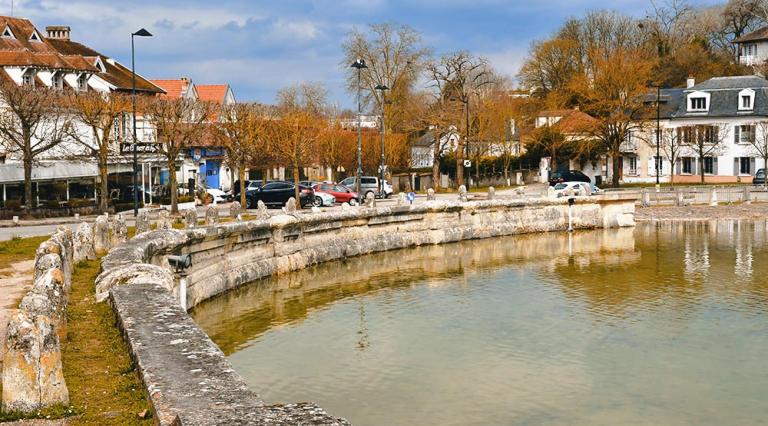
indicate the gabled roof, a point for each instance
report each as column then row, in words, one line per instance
column 572, row 121
column 174, row 88
column 212, row 92
column 115, row 74
column 759, row 35
column 724, row 97
column 20, row 51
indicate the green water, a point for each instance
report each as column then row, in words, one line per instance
column 657, row 325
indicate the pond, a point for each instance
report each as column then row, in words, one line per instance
column 662, row 324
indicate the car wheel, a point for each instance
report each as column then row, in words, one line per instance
column 318, row 202
column 370, row 192
column 352, row 202
column 248, row 203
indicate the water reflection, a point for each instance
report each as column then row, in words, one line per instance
column 665, row 324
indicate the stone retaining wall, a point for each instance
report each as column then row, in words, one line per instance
column 189, row 379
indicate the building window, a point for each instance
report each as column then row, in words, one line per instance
column 687, row 165
column 698, row 104
column 686, row 135
column 82, row 83
column 7, row 33
column 57, row 81
column 633, row 166
column 744, row 134
column 745, row 165
column 28, row 79
column 746, row 102
column 709, row 165
column 658, row 165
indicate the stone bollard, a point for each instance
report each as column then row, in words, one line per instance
column 235, row 209
column 713, row 197
column 401, row 198
column 212, row 216
column 645, row 197
column 680, row 200
column 430, row 194
column 16, row 220
column 83, row 243
column 164, row 220
column 747, row 196
column 119, row 232
column 491, row 193
column 551, row 192
column 346, row 206
column 190, row 218
column 143, row 223
column 370, row 200
column 290, row 206
column 463, row 194
column 316, row 209
column 101, row 234
column 32, row 349
column 261, row 210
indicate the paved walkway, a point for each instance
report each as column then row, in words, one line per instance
column 700, row 213
column 15, row 281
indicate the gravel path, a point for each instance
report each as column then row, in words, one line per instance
column 699, row 213
column 15, row 281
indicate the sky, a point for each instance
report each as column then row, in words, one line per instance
column 260, row 46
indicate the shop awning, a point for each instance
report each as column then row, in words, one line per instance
column 60, row 170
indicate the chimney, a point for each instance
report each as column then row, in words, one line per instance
column 691, row 81
column 58, row 32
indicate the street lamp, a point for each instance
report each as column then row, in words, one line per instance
column 140, row 33
column 359, row 65
column 382, row 88
column 658, row 134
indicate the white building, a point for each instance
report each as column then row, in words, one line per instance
column 752, row 48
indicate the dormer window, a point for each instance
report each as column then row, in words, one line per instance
column 698, row 102
column 746, row 100
column 28, row 78
column 100, row 65
column 35, row 37
column 7, row 33
column 82, row 83
column 57, row 81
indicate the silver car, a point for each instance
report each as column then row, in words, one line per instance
column 368, row 185
column 323, row 199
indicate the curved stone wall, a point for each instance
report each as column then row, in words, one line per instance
column 188, row 377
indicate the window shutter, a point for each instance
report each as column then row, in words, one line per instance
column 736, row 166
column 714, row 166
column 694, row 166
column 752, row 165
column 678, row 166
column 736, row 131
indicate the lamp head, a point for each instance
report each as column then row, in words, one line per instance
column 142, row 33
column 381, row 87
column 359, row 64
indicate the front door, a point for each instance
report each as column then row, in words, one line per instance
column 212, row 174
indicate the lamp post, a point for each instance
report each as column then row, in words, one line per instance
column 382, row 88
column 359, row 65
column 658, row 134
column 466, row 144
column 140, row 33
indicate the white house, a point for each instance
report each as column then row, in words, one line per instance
column 752, row 48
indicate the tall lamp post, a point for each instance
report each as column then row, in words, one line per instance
column 466, row 145
column 359, row 65
column 140, row 33
column 382, row 88
column 658, row 134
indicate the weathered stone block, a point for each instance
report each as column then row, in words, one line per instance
column 491, row 193
column 190, row 218
column 164, row 220
column 401, row 200
column 143, row 224
column 290, row 206
column 83, row 243
column 212, row 216
column 370, row 200
column 136, row 273
column 235, row 209
column 101, row 234
column 431, row 194
column 463, row 194
column 32, row 373
column 119, row 231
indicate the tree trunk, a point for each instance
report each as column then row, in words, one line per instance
column 615, row 167
column 241, row 175
column 435, row 164
column 296, row 189
column 103, row 185
column 172, row 181
column 27, row 183
column 460, row 164
column 701, row 168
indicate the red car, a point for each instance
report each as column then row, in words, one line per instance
column 341, row 192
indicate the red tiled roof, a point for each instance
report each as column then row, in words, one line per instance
column 212, row 92
column 173, row 88
column 20, row 51
column 571, row 121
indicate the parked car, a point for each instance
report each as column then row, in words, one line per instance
column 324, row 199
column 578, row 189
column 218, row 195
column 276, row 194
column 368, row 184
column 759, row 178
column 568, row 176
column 341, row 193
column 249, row 186
column 309, row 183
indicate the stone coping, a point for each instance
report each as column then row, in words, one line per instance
column 188, row 378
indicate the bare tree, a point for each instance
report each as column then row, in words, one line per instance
column 33, row 121
column 101, row 115
column 759, row 143
column 703, row 141
column 179, row 124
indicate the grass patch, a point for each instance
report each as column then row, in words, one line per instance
column 104, row 386
column 19, row 249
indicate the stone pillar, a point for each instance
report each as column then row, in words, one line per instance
column 747, row 196
column 212, row 216
column 463, row 194
column 235, row 209
column 491, row 193
column 119, row 231
column 261, row 210
column 370, row 200
column 190, row 218
column 680, row 200
column 401, row 198
column 142, row 223
column 551, row 192
column 345, row 206
column 713, row 197
column 101, row 234
column 430, row 194
column 83, row 243
column 645, row 198
column 290, row 206
column 164, row 220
